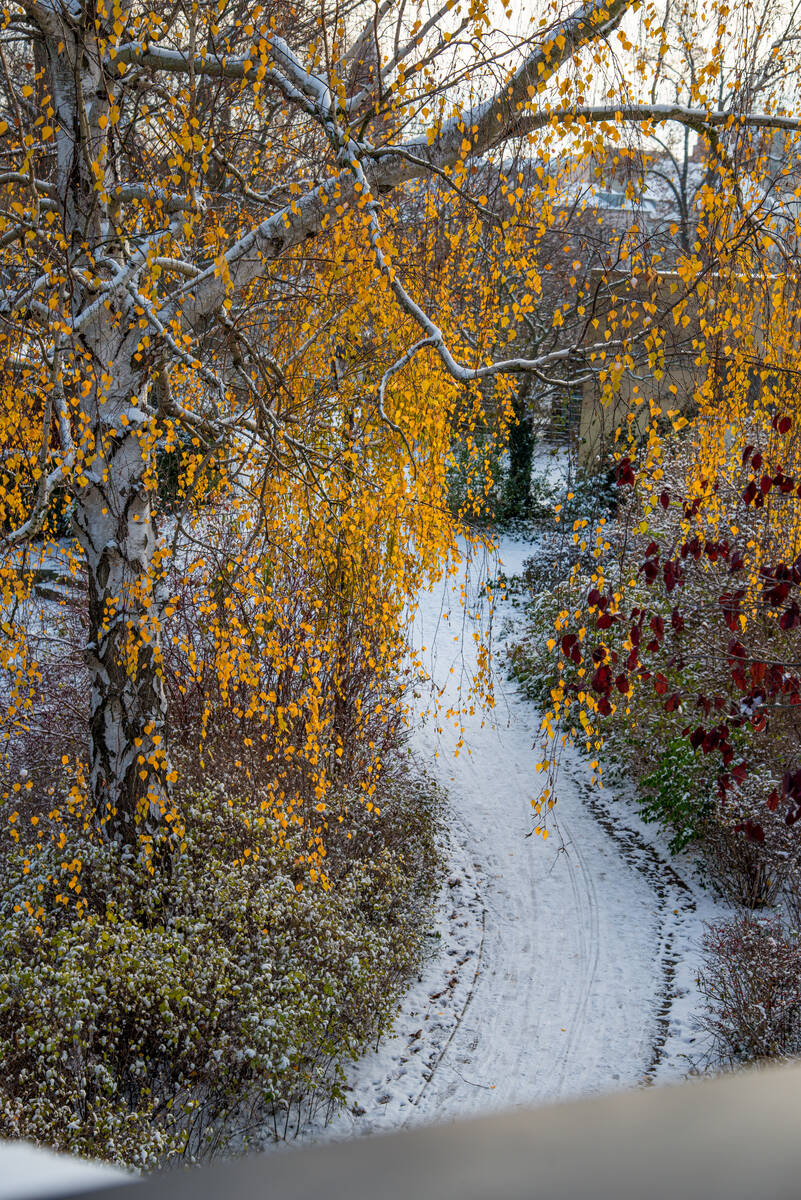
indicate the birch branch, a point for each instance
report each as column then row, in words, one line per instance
column 468, row 135
column 482, row 126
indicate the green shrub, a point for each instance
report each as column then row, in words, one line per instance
column 530, row 661
column 678, row 793
column 175, row 1010
column 592, row 494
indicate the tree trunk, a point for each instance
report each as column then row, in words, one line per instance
column 521, row 453
column 129, row 769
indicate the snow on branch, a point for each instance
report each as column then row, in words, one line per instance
column 482, row 126
column 699, row 119
column 292, row 79
column 47, row 486
column 469, row 134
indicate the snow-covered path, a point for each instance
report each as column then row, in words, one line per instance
column 562, row 967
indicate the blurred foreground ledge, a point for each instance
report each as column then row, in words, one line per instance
column 737, row 1137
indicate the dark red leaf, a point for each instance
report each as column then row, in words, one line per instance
column 602, row 679
column 711, row 740
column 752, row 830
column 790, row 617
column 673, row 575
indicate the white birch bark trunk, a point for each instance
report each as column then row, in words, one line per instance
column 129, row 768
column 114, row 521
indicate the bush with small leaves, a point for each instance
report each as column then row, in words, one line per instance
column 678, row 794
column 145, row 1019
column 751, row 855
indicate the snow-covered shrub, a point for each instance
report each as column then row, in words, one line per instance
column 528, row 658
column 750, row 853
column 677, row 794
column 792, row 899
column 146, row 1018
column 662, row 680
column 751, row 983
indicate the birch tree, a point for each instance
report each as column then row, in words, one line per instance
column 159, row 167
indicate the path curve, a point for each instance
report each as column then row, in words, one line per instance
column 559, row 968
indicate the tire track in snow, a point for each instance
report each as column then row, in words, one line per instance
column 676, row 898
column 593, row 931
column 586, row 899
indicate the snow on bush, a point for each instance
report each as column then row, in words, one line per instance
column 751, row 854
column 751, row 984
column 165, row 1016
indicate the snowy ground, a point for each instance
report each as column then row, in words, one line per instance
column 562, row 968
